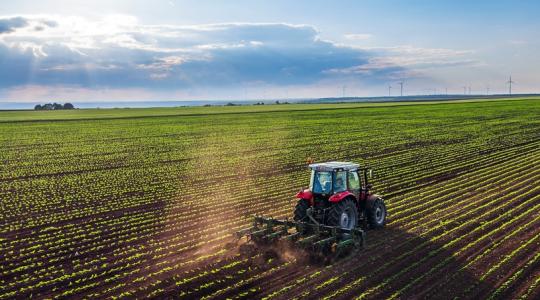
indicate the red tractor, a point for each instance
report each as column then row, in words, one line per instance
column 339, row 195
column 330, row 215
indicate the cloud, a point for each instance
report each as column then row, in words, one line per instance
column 358, row 36
column 517, row 42
column 8, row 25
column 11, row 24
column 409, row 62
column 117, row 52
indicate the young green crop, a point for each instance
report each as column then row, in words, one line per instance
column 131, row 203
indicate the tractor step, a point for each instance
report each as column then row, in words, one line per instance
column 313, row 238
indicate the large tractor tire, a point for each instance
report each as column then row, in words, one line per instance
column 376, row 214
column 344, row 214
column 300, row 214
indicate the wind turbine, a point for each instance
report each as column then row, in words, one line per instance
column 401, row 88
column 343, row 90
column 389, row 90
column 510, row 85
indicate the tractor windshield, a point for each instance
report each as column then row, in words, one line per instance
column 321, row 182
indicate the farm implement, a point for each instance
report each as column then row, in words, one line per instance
column 314, row 238
column 330, row 217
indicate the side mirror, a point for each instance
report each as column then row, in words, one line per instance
column 369, row 186
column 370, row 173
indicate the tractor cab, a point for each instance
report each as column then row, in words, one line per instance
column 331, row 178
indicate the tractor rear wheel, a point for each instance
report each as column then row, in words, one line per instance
column 376, row 215
column 300, row 215
column 344, row 214
column 300, row 211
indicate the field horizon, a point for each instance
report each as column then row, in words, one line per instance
column 127, row 104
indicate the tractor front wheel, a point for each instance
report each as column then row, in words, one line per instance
column 343, row 214
column 376, row 214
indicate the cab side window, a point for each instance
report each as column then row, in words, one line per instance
column 340, row 182
column 354, row 181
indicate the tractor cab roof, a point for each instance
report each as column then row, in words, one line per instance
column 334, row 166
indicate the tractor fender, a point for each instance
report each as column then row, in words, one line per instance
column 305, row 194
column 340, row 196
column 371, row 199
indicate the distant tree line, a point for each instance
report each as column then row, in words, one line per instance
column 277, row 102
column 54, row 106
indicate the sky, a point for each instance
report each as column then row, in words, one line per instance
column 167, row 50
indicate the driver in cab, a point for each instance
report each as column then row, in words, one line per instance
column 339, row 185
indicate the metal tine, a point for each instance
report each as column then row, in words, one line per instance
column 293, row 237
column 276, row 234
column 259, row 233
column 269, row 225
column 243, row 232
column 343, row 245
column 320, row 244
column 309, row 240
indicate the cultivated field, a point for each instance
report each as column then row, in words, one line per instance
column 141, row 202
